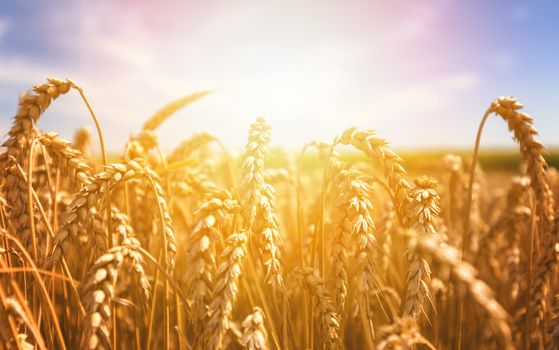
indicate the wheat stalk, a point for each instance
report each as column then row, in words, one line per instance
column 454, row 166
column 385, row 230
column 544, row 267
column 521, row 125
column 532, row 151
column 13, row 314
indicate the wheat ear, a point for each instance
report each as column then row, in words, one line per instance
column 254, row 335
column 403, row 334
column 205, row 232
column 252, row 179
column 422, row 210
column 98, row 294
column 31, row 106
column 164, row 113
column 187, row 147
column 377, row 149
column 325, row 311
column 225, row 289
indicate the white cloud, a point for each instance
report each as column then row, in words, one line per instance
column 419, row 23
column 318, row 69
column 427, row 97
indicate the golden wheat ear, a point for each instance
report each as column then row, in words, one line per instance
column 325, row 311
column 168, row 110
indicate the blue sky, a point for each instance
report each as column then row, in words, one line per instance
column 419, row 72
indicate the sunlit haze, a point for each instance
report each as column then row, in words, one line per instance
column 311, row 68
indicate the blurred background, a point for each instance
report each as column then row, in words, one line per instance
column 421, row 73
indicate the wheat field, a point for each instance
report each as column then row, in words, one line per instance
column 199, row 249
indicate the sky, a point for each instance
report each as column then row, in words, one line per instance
column 420, row 73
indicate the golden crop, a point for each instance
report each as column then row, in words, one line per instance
column 199, row 250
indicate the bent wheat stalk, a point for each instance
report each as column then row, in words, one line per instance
column 431, row 247
column 521, row 125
